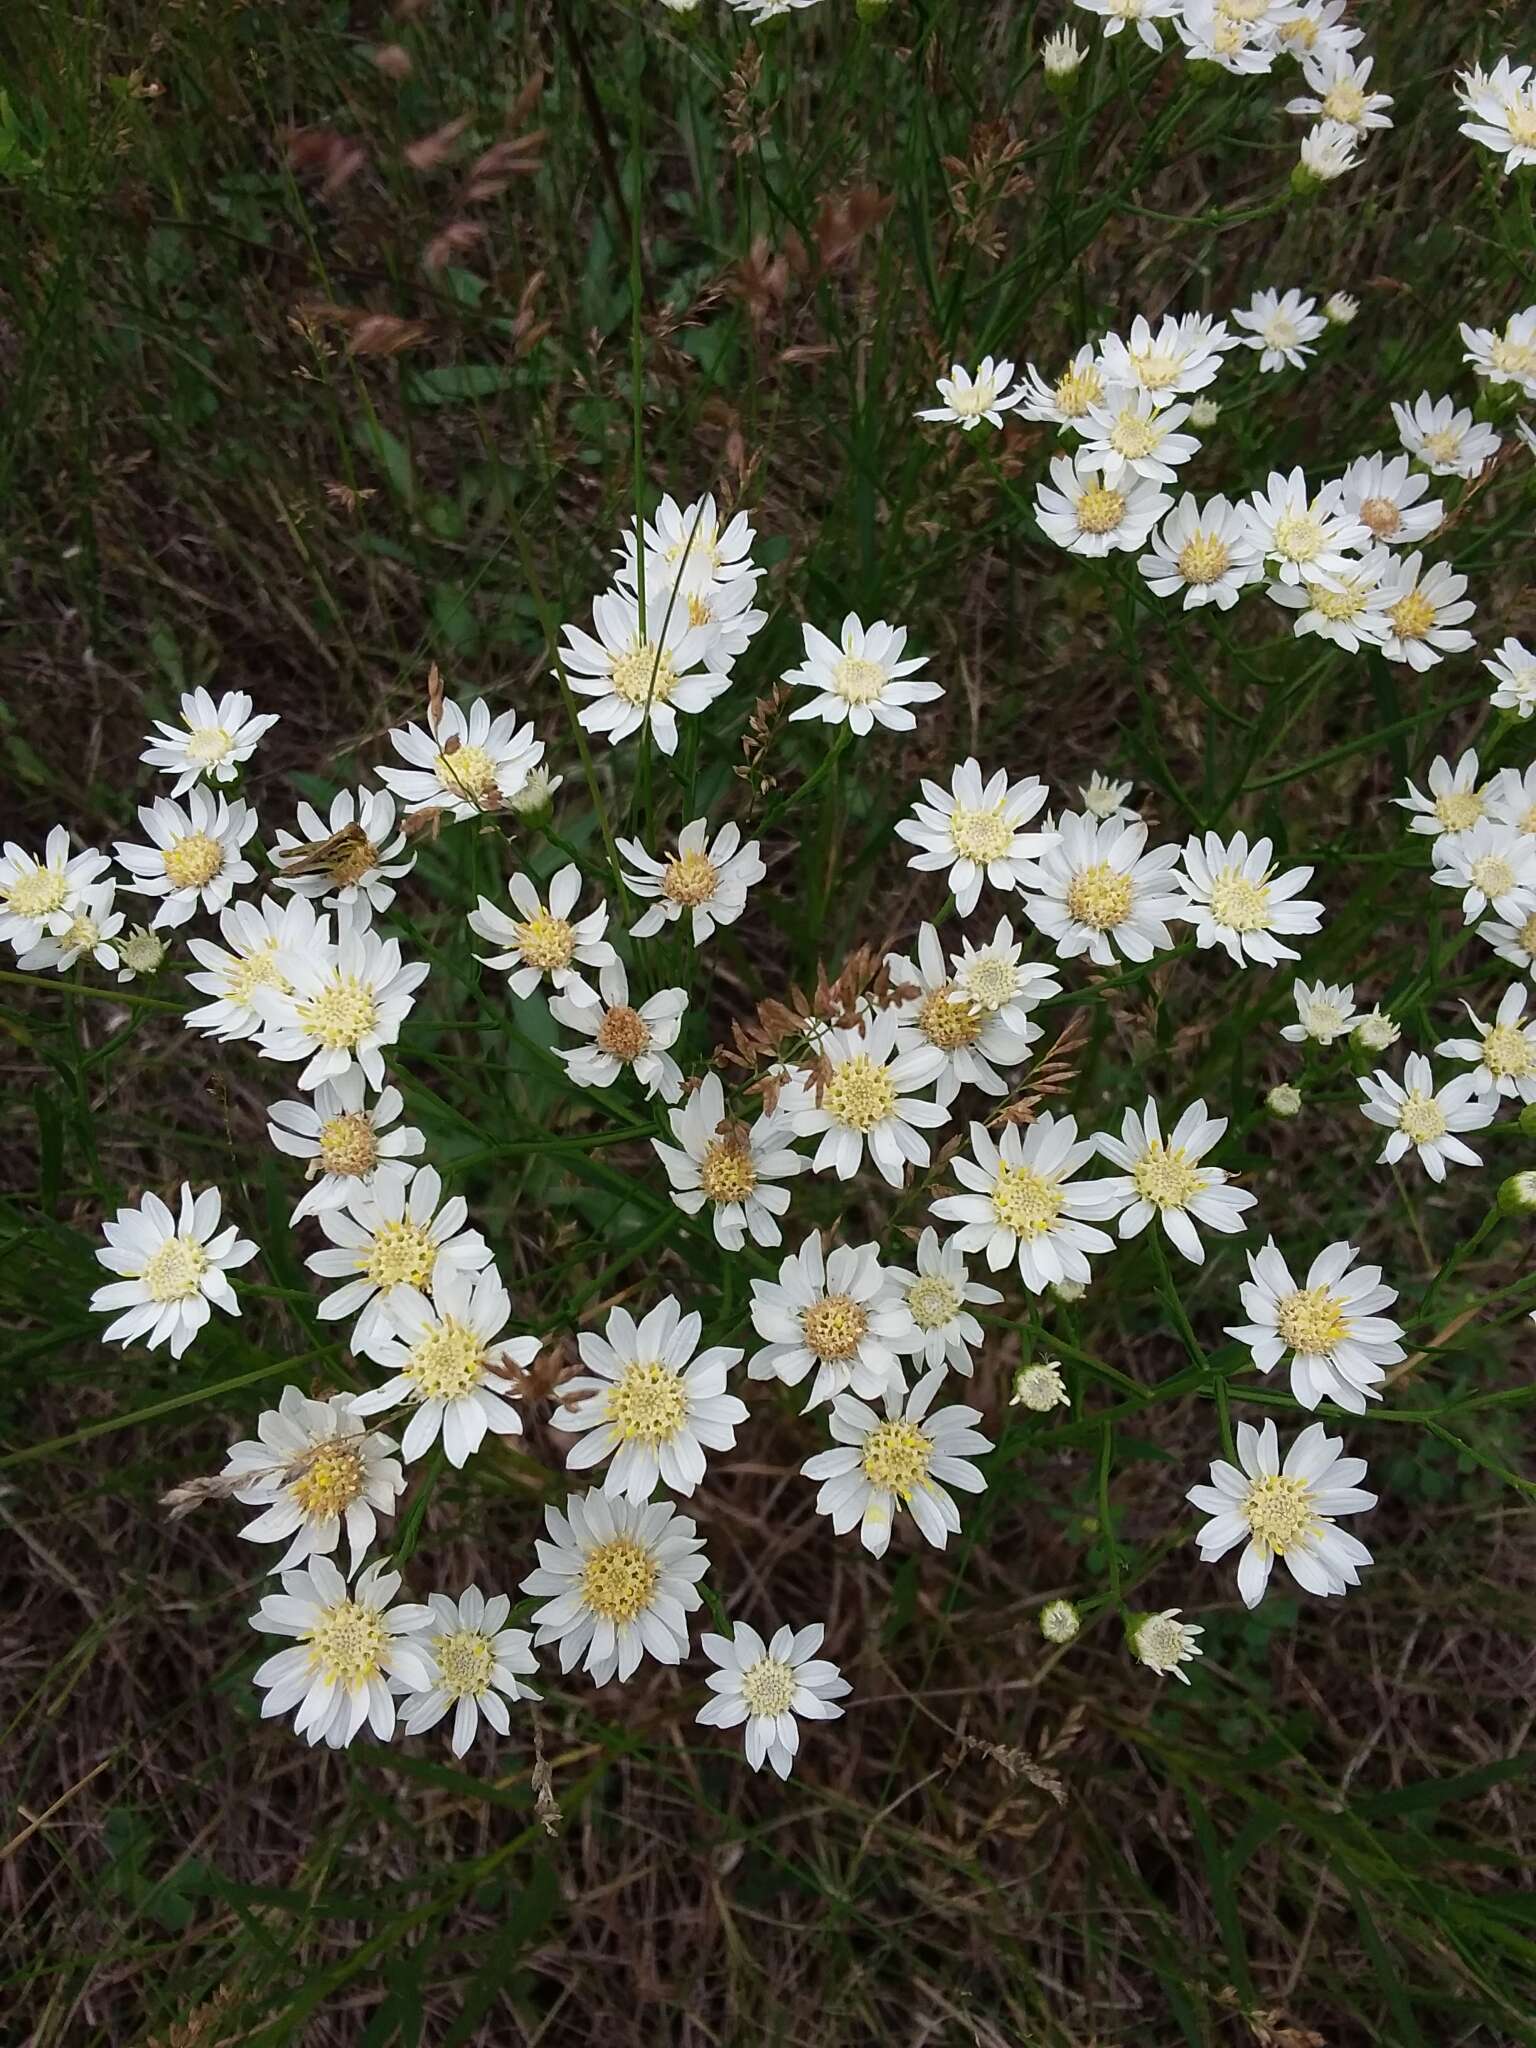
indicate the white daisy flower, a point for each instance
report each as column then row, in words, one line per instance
column 315, row 1470
column 174, row 1270
column 940, row 1015
column 1090, row 517
column 648, row 1403
column 1339, row 90
column 259, row 939
column 1384, row 494
column 213, row 739
column 475, row 1662
column 1348, row 606
column 1504, row 1052
column 91, row 924
column 1238, row 902
column 1021, row 1202
column 352, row 854
column 975, row 830
column 1512, row 799
column 1324, row 1012
column 968, row 400
column 621, row 1580
column 1130, row 434
column 1340, row 309
column 544, row 943
column 707, row 879
column 393, row 1237
column 193, row 860
column 351, row 1644
column 347, row 1003
column 1163, row 1643
column 1304, row 535
column 1507, row 358
column 1065, row 402
column 905, row 1458
column 471, row 763
column 449, row 1358
column 1501, row 108
column 1453, row 802
column 1282, row 327
column 1212, row 36
column 868, row 1098
column 767, row 1685
column 1445, row 437
column 1425, row 1119
column 1494, row 866
column 1513, row 669
column 995, row 979
column 1327, row 152
column 641, row 678
column 1287, row 1512
column 688, row 541
column 1181, row 356
column 1039, row 1388
column 864, row 680
column 1425, row 613
column 836, row 1312
column 1515, row 943
column 344, row 1140
column 1105, row 799
column 723, row 611
column 1167, row 1183
column 1308, row 25
column 1142, row 15
column 734, row 1168
column 622, row 1036
column 1340, row 1343
column 758, row 11
column 1206, row 551
column 937, row 1296
column 1098, row 889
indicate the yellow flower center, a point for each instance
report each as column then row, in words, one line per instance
column 1444, row 445
column 1165, row 1178
column 37, row 892
column 623, row 1032
column 1241, row 905
column 1492, row 874
column 1099, row 509
column 1204, row 558
column 83, row 934
column 347, row 1644
column 1347, row 602
column 342, row 1014
column 646, row 675
column 256, row 970
column 447, row 1363
column 1313, row 1319
column 401, row 1255
column 175, row 1270
column 859, row 682
column 1421, row 1118
column 768, row 1686
column 208, row 744
column 1156, row 369
column 860, row 1094
column 1302, row 33
column 834, row 1327
column 1076, row 390
column 618, row 1579
column 1527, row 823
column 1278, row 1511
column 464, row 1660
column 1100, row 897
column 330, row 1481
column 1298, row 537
column 1344, row 102
column 1520, row 120
column 353, row 858
column 980, row 398
column 348, row 1144
column 932, row 1301
column 1412, row 616
column 1507, row 1051
column 469, row 771
column 690, row 878
column 896, row 1456
column 1381, row 516
column 648, row 1402
column 1280, row 331
column 726, row 1172
column 700, row 544
column 980, row 836
column 1459, row 809
column 1133, row 436
column 1525, row 938
column 990, row 981
column 546, row 941
column 700, row 610
column 193, row 861
column 1518, row 357
column 1025, row 1201
column 946, row 1022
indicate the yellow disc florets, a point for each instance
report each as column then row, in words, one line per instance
column 330, row 1481
column 1459, row 809
column 896, row 1456
column 648, row 1402
column 980, row 836
column 834, row 1328
column 1238, row 903
column 1421, row 1119
column 726, row 1172
column 768, row 1686
column 1166, row 1178
column 618, row 1579
column 401, row 1255
column 207, row 745
column 1508, row 1052
column 193, row 861
column 1517, row 357
column 342, row 1015
column 857, row 681
column 1134, row 436
column 646, row 675
column 1381, row 516
column 176, row 1270
column 467, row 771
column 690, row 878
column 1100, row 509
column 946, row 1022
column 347, row 1644
column 1492, row 874
column 1279, row 1511
column 348, row 1145
column 1412, row 616
column 1204, row 558
column 37, row 893
column 447, row 1363
column 256, row 970
column 1100, row 897
column 991, row 981
column 1077, row 389
column 546, row 941
column 1312, row 1319
column 1298, row 537
column 860, row 1094
column 1025, row 1201
column 933, row 1301
column 464, row 1658
column 623, row 1033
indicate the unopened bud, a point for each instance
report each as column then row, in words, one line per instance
column 1059, row 1621
column 1517, row 1196
column 1284, row 1100
column 142, row 952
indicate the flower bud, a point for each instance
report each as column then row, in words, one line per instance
column 1340, row 308
column 1059, row 1621
column 1039, row 1387
column 1284, row 1100
column 1376, row 1031
column 1517, row 1196
column 142, row 952
column 1068, row 1291
column 532, row 801
column 1204, row 412
column 1061, row 54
